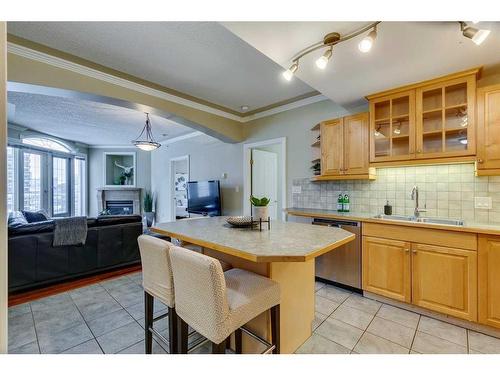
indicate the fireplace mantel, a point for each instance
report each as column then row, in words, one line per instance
column 105, row 194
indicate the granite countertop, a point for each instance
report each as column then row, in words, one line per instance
column 468, row 226
column 284, row 242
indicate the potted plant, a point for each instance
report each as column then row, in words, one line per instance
column 260, row 209
column 148, row 208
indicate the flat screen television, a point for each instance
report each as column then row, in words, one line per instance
column 204, row 197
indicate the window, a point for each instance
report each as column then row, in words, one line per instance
column 60, row 185
column 11, row 179
column 47, row 143
column 79, row 186
column 52, row 179
column 32, row 181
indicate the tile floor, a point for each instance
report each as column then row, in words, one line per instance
column 108, row 317
column 349, row 323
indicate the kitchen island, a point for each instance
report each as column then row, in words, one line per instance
column 285, row 253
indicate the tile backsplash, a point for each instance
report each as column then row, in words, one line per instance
column 444, row 190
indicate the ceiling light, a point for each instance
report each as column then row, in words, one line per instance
column 288, row 74
column 147, row 144
column 323, row 60
column 367, row 42
column 329, row 41
column 244, row 108
column 463, row 141
column 397, row 130
column 478, row 36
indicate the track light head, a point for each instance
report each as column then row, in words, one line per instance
column 478, row 36
column 288, row 74
column 323, row 60
column 367, row 42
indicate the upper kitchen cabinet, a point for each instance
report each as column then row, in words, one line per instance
column 445, row 118
column 392, row 127
column 344, row 149
column 488, row 134
column 427, row 122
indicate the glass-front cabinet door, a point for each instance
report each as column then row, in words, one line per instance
column 445, row 119
column 392, row 125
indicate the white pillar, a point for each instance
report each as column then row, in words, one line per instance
column 3, row 192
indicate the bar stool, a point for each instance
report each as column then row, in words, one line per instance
column 217, row 303
column 157, row 281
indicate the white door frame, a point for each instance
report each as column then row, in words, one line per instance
column 247, row 151
column 172, row 214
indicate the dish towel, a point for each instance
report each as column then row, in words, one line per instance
column 70, row 231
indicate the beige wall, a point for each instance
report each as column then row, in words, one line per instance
column 3, row 208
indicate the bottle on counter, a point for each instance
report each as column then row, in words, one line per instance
column 340, row 203
column 387, row 209
column 346, row 204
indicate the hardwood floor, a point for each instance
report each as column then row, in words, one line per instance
column 23, row 297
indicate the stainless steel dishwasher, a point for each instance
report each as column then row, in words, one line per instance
column 341, row 265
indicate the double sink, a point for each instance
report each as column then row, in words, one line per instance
column 429, row 220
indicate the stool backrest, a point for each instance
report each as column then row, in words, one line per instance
column 200, row 290
column 157, row 277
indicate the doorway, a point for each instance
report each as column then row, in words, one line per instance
column 179, row 177
column 265, row 175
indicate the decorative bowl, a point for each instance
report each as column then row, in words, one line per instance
column 240, row 221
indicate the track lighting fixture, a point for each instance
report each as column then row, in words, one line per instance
column 328, row 42
column 323, row 60
column 288, row 74
column 366, row 43
column 478, row 36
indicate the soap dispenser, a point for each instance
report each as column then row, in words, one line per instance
column 387, row 209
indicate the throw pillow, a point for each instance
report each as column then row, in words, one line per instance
column 16, row 219
column 35, row 217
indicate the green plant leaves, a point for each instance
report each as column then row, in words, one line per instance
column 262, row 202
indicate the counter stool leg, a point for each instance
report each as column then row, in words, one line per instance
column 275, row 328
column 182, row 335
column 148, row 322
column 238, row 341
column 219, row 348
column 172, row 331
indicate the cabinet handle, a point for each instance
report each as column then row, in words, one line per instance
column 480, row 161
column 414, row 252
column 419, row 151
column 407, row 250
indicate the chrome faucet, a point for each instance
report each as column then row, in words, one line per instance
column 414, row 197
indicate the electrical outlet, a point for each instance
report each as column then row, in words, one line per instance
column 296, row 189
column 483, row 203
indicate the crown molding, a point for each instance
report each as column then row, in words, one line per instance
column 163, row 143
column 58, row 62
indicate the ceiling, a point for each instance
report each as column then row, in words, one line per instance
column 83, row 121
column 404, row 52
column 200, row 59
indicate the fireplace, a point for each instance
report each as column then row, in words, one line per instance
column 121, row 200
column 120, row 207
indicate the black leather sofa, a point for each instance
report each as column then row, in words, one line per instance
column 34, row 262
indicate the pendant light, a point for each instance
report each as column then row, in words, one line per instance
column 147, row 144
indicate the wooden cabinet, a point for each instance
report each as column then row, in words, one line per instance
column 425, row 267
column 392, row 127
column 386, row 268
column 445, row 119
column 431, row 121
column 489, row 280
column 332, row 147
column 445, row 280
column 356, row 148
column 344, row 148
column 488, row 132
